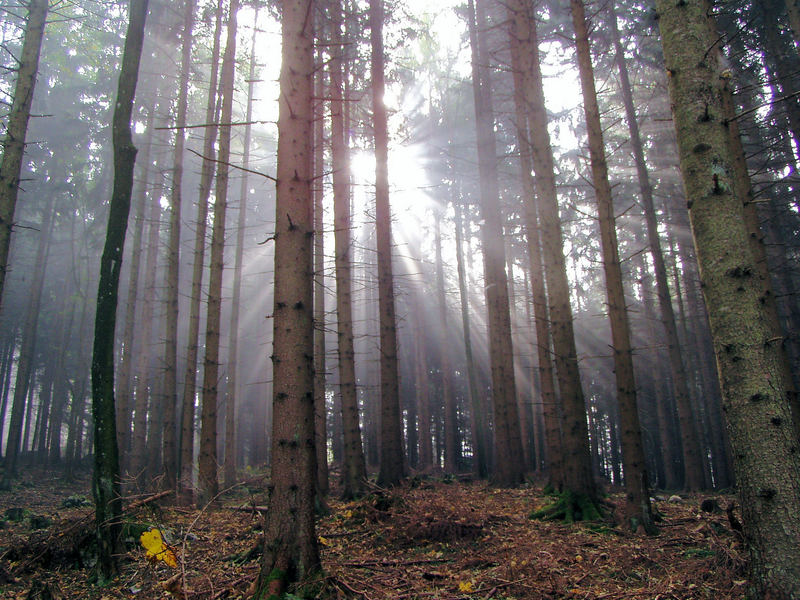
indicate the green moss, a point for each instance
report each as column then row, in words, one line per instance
column 570, row 507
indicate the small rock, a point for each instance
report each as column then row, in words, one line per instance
column 675, row 498
column 710, row 505
column 39, row 522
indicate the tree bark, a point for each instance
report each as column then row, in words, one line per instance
column 105, row 480
column 290, row 539
column 17, row 127
column 755, row 399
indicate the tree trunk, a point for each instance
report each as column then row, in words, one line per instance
column 170, row 389
column 320, row 376
column 755, row 400
column 354, row 472
column 693, row 466
column 125, row 378
column 477, row 413
column 105, row 480
column 290, row 539
column 207, row 461
column 637, row 490
column 192, row 345
column 17, row 127
column 793, row 7
column 521, row 36
column 392, row 460
column 509, row 468
column 234, row 387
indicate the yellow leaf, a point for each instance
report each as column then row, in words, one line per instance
column 465, row 586
column 348, row 514
column 324, row 541
column 157, row 549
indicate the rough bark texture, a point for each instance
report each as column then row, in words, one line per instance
column 391, row 468
column 290, row 539
column 208, row 485
column 793, row 7
column 354, row 470
column 763, row 438
column 637, row 493
column 17, row 127
column 509, row 465
column 206, row 176
column 105, row 479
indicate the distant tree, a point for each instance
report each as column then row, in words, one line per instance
column 192, row 344
column 170, row 387
column 509, row 464
column 17, row 127
column 105, row 479
column 755, row 400
column 354, row 471
column 290, row 539
column 207, row 461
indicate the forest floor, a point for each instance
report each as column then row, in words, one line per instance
column 428, row 539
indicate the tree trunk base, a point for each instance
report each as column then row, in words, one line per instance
column 570, row 507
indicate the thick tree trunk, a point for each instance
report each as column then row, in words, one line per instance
column 17, row 127
column 354, row 471
column 192, row 346
column 105, row 481
column 793, row 7
column 755, row 399
column 290, row 539
column 208, row 485
column 509, row 467
column 170, row 389
column 392, row 460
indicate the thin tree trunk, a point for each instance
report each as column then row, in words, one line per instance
column 290, row 539
column 17, row 127
column 233, row 390
column 170, row 389
column 320, row 376
column 192, row 347
column 125, row 377
column 105, row 480
column 760, row 422
column 207, row 461
column 509, row 468
column 693, row 465
column 477, row 413
column 354, row 472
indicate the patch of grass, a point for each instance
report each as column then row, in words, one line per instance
column 698, row 553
